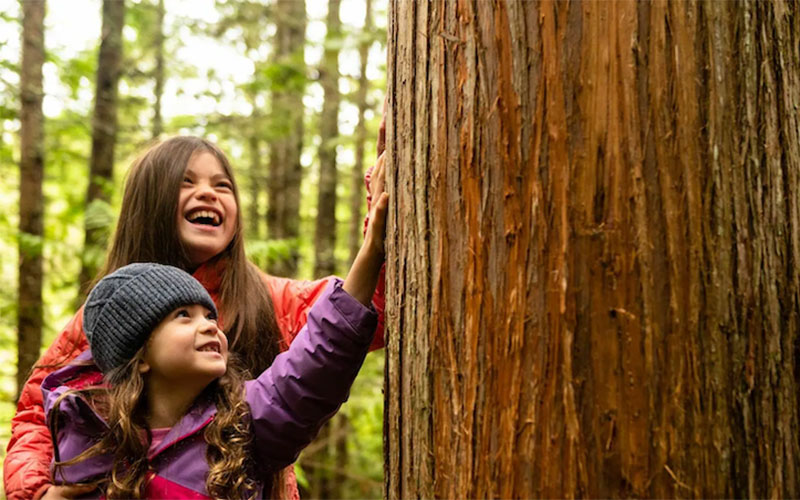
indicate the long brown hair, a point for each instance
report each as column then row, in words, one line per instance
column 229, row 437
column 147, row 231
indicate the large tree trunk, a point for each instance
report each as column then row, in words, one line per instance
column 285, row 170
column 104, row 137
column 593, row 249
column 31, row 202
column 325, row 232
column 357, row 180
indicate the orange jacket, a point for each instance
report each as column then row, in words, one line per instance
column 26, row 470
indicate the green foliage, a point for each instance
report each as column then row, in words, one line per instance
column 30, row 245
column 229, row 114
column 265, row 253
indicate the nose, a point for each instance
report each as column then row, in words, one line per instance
column 209, row 327
column 205, row 192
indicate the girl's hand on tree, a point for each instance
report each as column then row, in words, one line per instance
column 363, row 276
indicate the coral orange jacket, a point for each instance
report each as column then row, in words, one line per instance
column 26, row 470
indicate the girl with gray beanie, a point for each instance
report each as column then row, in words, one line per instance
column 173, row 417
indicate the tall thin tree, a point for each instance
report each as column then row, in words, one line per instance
column 285, row 169
column 593, row 245
column 31, row 202
column 104, row 137
column 158, row 72
column 325, row 231
column 357, row 177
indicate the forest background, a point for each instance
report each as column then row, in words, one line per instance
column 207, row 68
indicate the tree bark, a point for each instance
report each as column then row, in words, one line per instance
column 592, row 249
column 325, row 232
column 357, row 180
column 31, row 201
column 159, row 78
column 285, row 170
column 104, row 136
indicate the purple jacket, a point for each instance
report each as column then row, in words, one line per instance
column 288, row 402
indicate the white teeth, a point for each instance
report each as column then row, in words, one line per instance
column 205, row 214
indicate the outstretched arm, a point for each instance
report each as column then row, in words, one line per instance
column 307, row 384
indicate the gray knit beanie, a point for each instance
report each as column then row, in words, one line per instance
column 125, row 306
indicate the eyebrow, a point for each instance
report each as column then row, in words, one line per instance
column 221, row 175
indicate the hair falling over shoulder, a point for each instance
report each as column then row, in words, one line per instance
column 228, row 436
column 121, row 404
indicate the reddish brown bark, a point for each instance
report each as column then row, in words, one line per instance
column 31, row 201
column 592, row 284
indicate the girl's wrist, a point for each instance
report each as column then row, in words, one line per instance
column 362, row 279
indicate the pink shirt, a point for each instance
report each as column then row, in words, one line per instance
column 158, row 436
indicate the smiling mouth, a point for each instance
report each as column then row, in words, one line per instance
column 204, row 218
column 210, row 347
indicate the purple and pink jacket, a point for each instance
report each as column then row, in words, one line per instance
column 289, row 402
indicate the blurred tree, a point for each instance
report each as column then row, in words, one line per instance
column 288, row 82
column 158, row 70
column 244, row 22
column 104, row 136
column 31, row 203
column 357, row 180
column 325, row 233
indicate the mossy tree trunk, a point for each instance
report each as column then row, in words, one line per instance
column 325, row 228
column 286, row 145
column 104, row 139
column 31, row 201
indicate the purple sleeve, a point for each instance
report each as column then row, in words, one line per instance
column 306, row 384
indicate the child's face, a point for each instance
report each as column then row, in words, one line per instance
column 206, row 208
column 186, row 348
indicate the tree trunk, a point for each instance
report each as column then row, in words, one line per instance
column 256, row 182
column 326, row 460
column 104, row 136
column 31, row 202
column 325, row 233
column 285, row 170
column 158, row 90
column 592, row 251
column 357, row 181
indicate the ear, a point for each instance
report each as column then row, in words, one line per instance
column 143, row 366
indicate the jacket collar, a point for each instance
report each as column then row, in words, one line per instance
column 82, row 372
column 209, row 274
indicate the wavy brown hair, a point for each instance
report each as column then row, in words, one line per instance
column 147, row 231
column 229, row 437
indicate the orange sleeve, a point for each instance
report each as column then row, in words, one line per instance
column 292, row 299
column 26, row 469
